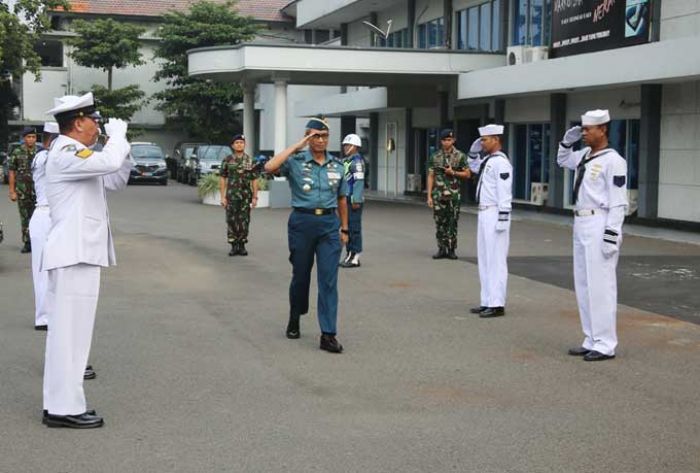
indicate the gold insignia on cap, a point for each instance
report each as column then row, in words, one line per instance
column 84, row 153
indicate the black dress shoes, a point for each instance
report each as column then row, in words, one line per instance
column 478, row 310
column 451, row 254
column 43, row 328
column 440, row 254
column 46, row 414
column 89, row 373
column 491, row 312
column 579, row 351
column 293, row 331
column 80, row 421
column 596, row 356
column 330, row 344
column 241, row 250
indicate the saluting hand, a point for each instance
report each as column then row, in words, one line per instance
column 304, row 141
column 572, row 135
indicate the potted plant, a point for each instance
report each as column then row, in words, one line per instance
column 263, row 193
column 208, row 189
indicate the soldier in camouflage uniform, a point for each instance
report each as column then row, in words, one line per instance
column 239, row 193
column 22, row 183
column 445, row 170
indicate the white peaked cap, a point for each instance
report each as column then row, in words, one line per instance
column 491, row 130
column 595, row 117
column 68, row 103
column 51, row 127
column 352, row 139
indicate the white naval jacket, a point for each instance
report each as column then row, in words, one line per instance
column 76, row 181
column 495, row 187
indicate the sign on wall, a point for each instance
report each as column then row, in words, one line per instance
column 582, row 26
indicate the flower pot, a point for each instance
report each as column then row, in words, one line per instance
column 212, row 198
column 263, row 199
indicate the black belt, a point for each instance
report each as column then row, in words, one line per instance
column 304, row 210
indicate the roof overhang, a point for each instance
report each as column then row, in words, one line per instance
column 331, row 65
column 331, row 13
column 663, row 61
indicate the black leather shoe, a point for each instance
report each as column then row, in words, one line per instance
column 330, row 344
column 491, row 312
column 27, row 248
column 241, row 249
column 293, row 331
column 234, row 250
column 45, row 414
column 451, row 254
column 80, row 421
column 579, row 351
column 478, row 310
column 440, row 254
column 89, row 373
column 43, row 328
column 597, row 356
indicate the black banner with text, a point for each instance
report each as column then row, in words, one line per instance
column 583, row 26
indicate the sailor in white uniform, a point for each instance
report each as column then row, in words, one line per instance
column 39, row 226
column 79, row 244
column 494, row 195
column 600, row 205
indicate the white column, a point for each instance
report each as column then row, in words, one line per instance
column 280, row 115
column 249, row 117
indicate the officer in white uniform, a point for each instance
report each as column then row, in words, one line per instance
column 494, row 195
column 600, row 205
column 39, row 226
column 78, row 245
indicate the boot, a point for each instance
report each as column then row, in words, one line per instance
column 293, row 331
column 451, row 254
column 241, row 249
column 27, row 248
column 234, row 250
column 354, row 262
column 440, row 254
column 347, row 260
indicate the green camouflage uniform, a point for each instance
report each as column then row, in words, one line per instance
column 21, row 163
column 446, row 196
column 239, row 175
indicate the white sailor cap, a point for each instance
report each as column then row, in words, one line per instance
column 595, row 117
column 51, row 127
column 70, row 106
column 491, row 130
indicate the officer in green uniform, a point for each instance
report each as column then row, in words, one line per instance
column 317, row 226
column 238, row 186
column 22, row 183
column 445, row 170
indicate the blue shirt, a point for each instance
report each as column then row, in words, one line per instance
column 355, row 175
column 313, row 185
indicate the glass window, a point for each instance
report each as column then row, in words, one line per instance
column 632, row 155
column 530, row 158
column 536, row 16
column 422, row 44
column 496, row 25
column 51, row 52
column 520, row 22
column 473, row 28
column 485, row 27
column 532, row 22
column 462, row 29
column 440, row 32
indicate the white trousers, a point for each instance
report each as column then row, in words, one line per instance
column 492, row 252
column 596, row 284
column 39, row 227
column 73, row 294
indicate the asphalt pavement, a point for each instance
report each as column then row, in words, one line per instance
column 195, row 374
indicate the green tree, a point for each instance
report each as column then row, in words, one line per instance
column 204, row 108
column 20, row 29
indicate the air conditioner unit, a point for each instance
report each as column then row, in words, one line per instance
column 525, row 54
column 539, row 191
column 516, row 55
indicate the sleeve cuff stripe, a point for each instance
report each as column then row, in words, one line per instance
column 611, row 232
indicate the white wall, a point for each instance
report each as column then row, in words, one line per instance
column 623, row 103
column 528, row 109
column 358, row 34
column 391, row 168
column 37, row 97
column 679, row 175
column 680, row 18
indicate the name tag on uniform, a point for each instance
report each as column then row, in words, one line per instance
column 359, row 175
column 333, row 175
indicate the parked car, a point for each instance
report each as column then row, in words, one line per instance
column 182, row 164
column 207, row 159
column 149, row 164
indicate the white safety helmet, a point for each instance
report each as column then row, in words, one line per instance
column 353, row 139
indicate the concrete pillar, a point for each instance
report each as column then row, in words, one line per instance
column 280, row 115
column 374, row 150
column 344, row 34
column 558, row 127
column 447, row 16
column 348, row 124
column 649, row 151
column 411, row 22
column 249, row 117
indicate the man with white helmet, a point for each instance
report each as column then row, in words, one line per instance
column 600, row 205
column 494, row 195
column 354, row 166
column 78, row 245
